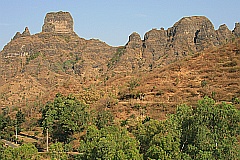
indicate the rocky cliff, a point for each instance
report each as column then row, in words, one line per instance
column 57, row 59
column 60, row 22
column 187, row 37
column 159, row 47
column 58, row 43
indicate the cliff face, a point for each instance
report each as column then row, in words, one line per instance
column 49, row 61
column 187, row 36
column 159, row 47
column 236, row 30
column 193, row 33
column 60, row 22
column 63, row 50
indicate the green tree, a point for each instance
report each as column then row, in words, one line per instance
column 209, row 130
column 206, row 131
column 64, row 117
column 111, row 142
column 2, row 148
column 144, row 132
column 6, row 127
column 158, row 139
column 164, row 146
column 57, row 151
column 103, row 119
column 24, row 152
column 3, row 122
column 20, row 118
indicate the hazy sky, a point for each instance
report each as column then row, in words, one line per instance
column 112, row 21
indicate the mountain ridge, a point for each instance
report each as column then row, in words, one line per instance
column 36, row 67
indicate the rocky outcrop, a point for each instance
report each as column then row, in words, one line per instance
column 63, row 50
column 25, row 33
column 154, row 43
column 224, row 35
column 236, row 30
column 47, row 61
column 134, row 41
column 17, row 35
column 58, row 22
column 192, row 34
column 187, row 36
column 159, row 47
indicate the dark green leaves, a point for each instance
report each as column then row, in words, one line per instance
column 111, row 142
column 64, row 117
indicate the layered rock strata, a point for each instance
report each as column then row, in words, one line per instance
column 58, row 22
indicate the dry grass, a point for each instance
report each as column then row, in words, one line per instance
column 214, row 73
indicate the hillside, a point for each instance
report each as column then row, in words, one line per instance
column 213, row 73
column 145, row 77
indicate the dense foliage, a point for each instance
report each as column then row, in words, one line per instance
column 26, row 151
column 111, row 142
column 208, row 130
column 63, row 117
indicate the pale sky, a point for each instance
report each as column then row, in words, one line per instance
column 112, row 21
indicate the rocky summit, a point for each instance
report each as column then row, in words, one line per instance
column 34, row 67
column 187, row 36
column 56, row 39
column 60, row 22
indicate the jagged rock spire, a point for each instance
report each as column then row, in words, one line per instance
column 223, row 34
column 134, row 41
column 26, row 32
column 236, row 30
column 17, row 35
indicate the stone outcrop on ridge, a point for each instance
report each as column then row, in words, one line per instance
column 58, row 22
column 187, row 36
column 236, row 30
column 159, row 47
column 57, row 59
column 25, row 33
column 58, row 43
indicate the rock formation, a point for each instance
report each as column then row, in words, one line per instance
column 57, row 38
column 236, row 30
column 58, row 22
column 193, row 33
column 224, row 34
column 25, row 33
column 134, row 41
column 159, row 47
column 190, row 34
column 17, row 35
column 58, row 58
column 187, row 36
column 154, row 43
